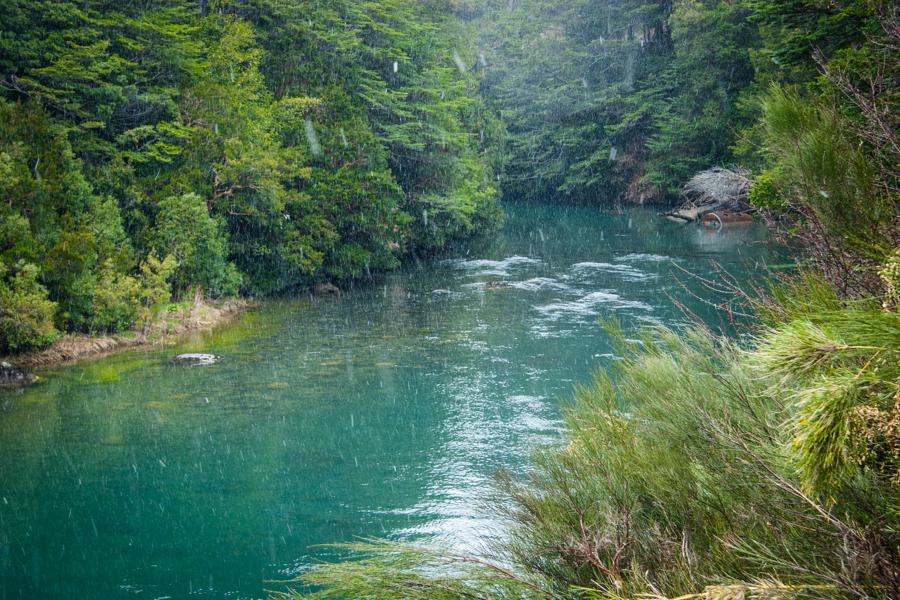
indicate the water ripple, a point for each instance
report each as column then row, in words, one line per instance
column 589, row 305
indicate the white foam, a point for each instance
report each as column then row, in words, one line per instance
column 637, row 256
column 584, row 266
column 484, row 263
column 539, row 283
column 589, row 305
column 623, row 270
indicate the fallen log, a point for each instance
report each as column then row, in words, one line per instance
column 683, row 214
column 723, row 218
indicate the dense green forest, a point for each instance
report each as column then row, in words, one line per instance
column 156, row 148
column 609, row 100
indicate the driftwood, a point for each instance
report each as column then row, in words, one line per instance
column 722, row 218
column 717, row 190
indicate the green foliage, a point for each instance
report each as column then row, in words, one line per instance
column 51, row 216
column 833, row 366
column 827, row 178
column 186, row 231
column 818, row 162
column 827, row 135
column 764, row 193
column 393, row 105
column 264, row 144
column 698, row 113
column 26, row 314
column 115, row 300
column 393, row 571
column 156, row 287
column 607, row 101
column 791, row 29
column 610, row 101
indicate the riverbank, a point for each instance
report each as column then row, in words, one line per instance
column 175, row 323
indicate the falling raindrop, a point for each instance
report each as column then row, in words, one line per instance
column 311, row 138
column 459, row 62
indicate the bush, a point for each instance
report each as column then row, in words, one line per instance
column 156, row 289
column 764, row 193
column 26, row 314
column 829, row 180
column 185, row 230
column 115, row 301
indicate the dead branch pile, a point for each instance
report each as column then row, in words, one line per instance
column 716, row 189
column 724, row 188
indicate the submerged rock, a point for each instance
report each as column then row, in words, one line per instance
column 12, row 376
column 196, row 360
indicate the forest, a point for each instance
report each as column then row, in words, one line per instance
column 154, row 149
column 158, row 151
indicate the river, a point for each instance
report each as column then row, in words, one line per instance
column 382, row 414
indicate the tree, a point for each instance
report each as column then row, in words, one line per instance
column 186, row 231
column 26, row 313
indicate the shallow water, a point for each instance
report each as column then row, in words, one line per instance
column 382, row 414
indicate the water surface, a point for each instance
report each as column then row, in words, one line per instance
column 382, row 414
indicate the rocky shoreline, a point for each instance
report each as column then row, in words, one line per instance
column 199, row 316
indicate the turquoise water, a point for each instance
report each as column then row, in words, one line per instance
column 382, row 414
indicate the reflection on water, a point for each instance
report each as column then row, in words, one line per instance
column 384, row 413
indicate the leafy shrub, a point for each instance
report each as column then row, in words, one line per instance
column 156, row 289
column 764, row 193
column 115, row 301
column 26, row 314
column 185, row 230
column 831, row 367
column 845, row 206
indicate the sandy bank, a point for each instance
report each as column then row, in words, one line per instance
column 168, row 329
